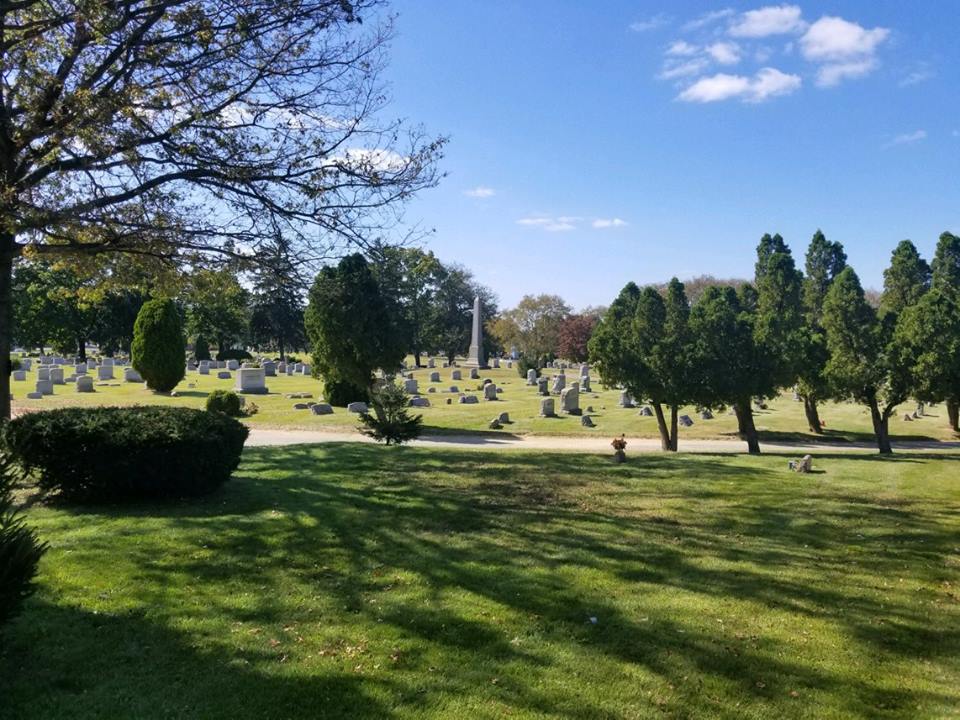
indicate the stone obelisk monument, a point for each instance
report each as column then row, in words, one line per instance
column 476, row 358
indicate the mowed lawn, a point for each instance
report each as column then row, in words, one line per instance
column 355, row 581
column 782, row 420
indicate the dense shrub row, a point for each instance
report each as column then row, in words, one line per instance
column 113, row 453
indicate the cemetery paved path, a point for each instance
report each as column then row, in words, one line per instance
column 267, row 437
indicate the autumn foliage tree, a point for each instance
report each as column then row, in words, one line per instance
column 574, row 335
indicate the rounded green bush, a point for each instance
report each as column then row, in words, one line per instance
column 224, row 401
column 158, row 345
column 116, row 453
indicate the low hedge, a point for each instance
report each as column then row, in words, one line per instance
column 234, row 354
column 116, row 453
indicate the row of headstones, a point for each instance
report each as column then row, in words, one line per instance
column 270, row 368
column 626, row 401
column 559, row 382
column 48, row 377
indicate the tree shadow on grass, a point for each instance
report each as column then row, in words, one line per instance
column 525, row 532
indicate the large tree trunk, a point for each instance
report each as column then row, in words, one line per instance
column 6, row 321
column 881, row 427
column 673, row 427
column 953, row 411
column 283, row 357
column 813, row 414
column 416, row 358
column 82, row 349
column 665, row 443
column 748, row 431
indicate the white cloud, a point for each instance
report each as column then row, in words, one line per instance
column 560, row 224
column 836, row 39
column 480, row 191
column 708, row 19
column 908, row 138
column 916, row 77
column 673, row 69
column 609, row 223
column 681, row 48
column 725, row 53
column 769, row 20
column 651, row 23
column 767, row 83
column 834, row 73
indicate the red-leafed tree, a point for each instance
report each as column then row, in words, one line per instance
column 574, row 335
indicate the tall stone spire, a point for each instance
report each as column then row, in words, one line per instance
column 476, row 357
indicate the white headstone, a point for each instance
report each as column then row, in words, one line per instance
column 105, row 372
column 131, row 375
column 84, row 383
column 45, row 387
column 251, row 381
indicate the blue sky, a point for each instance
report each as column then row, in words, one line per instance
column 596, row 143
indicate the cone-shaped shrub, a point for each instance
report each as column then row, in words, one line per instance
column 158, row 345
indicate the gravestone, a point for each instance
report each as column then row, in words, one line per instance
column 305, row 369
column 269, row 369
column 105, row 372
column 321, row 409
column 686, row 421
column 411, row 387
column 233, row 364
column 107, row 361
column 496, row 362
column 289, row 369
column 584, row 370
column 570, row 400
column 489, row 391
column 542, row 386
column 469, row 400
column 131, row 375
column 357, row 407
column 625, row 400
column 474, row 374
column 251, row 381
column 80, row 369
column 503, row 417
column 431, row 363
column 559, row 383
column 646, row 411
column 456, row 375
column 56, row 375
column 587, row 421
column 509, row 364
column 434, row 377
column 224, row 375
column 453, row 389
column 546, row 407
column 419, row 402
column 585, row 383
column 45, row 387
column 85, row 383
column 20, row 375
column 706, row 415
column 26, row 364
column 43, row 372
column 35, row 396
column 531, row 377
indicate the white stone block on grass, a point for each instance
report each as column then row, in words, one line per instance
column 251, row 381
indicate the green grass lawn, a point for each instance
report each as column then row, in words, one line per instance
column 784, row 420
column 354, row 581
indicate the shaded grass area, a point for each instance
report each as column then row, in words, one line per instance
column 353, row 581
column 782, row 421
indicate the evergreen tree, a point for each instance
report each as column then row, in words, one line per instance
column 276, row 312
column 730, row 368
column 349, row 326
column 158, row 348
column 905, row 281
column 642, row 344
column 824, row 261
column 862, row 365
